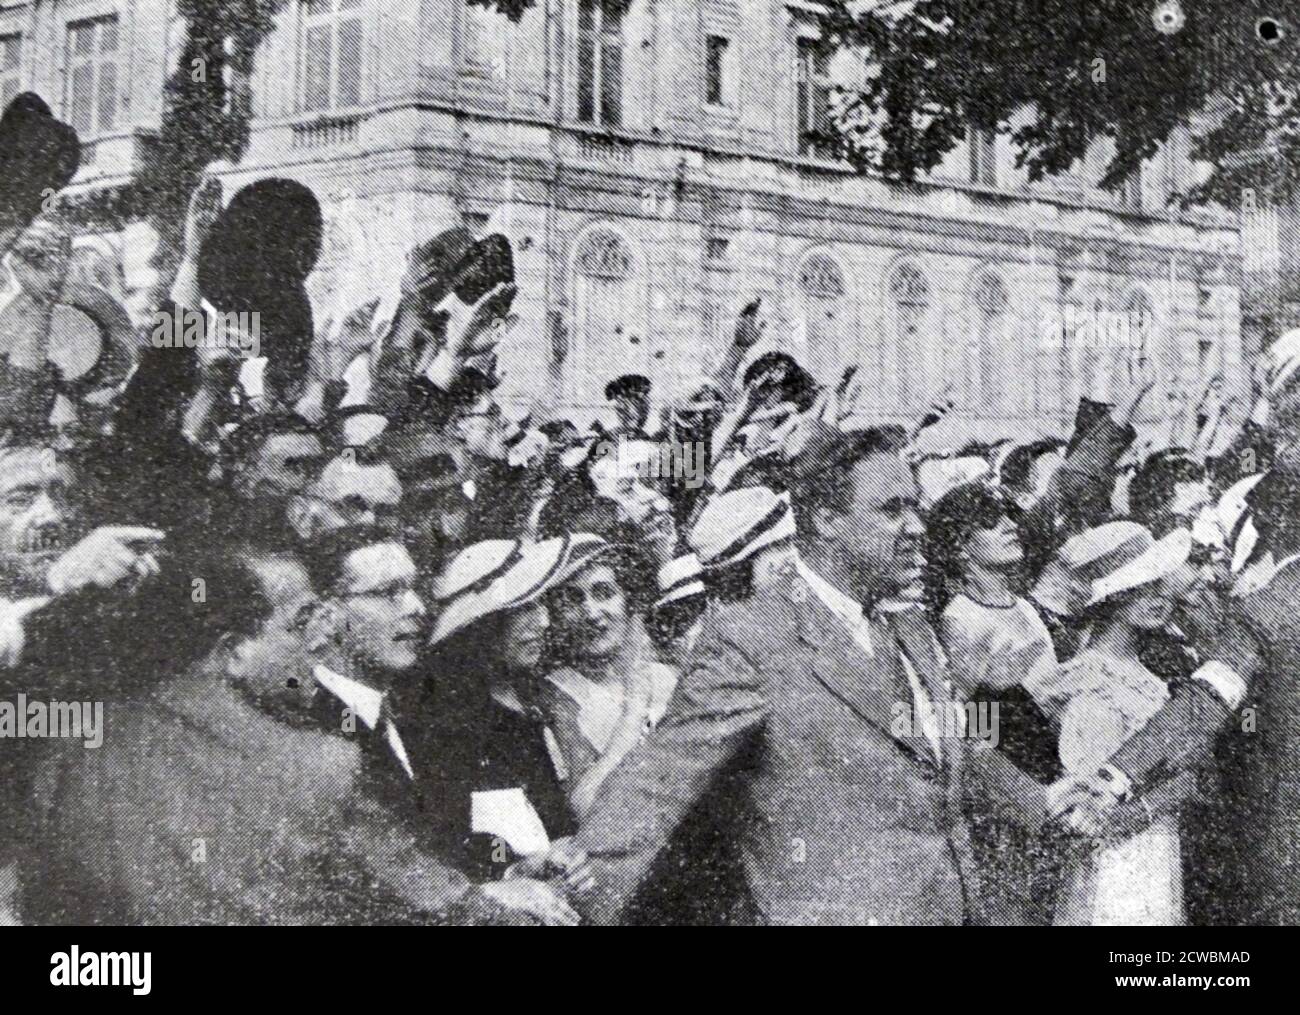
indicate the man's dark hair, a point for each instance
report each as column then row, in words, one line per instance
column 246, row 441
column 795, row 383
column 949, row 525
column 1018, row 466
column 1152, row 490
column 325, row 559
column 825, row 482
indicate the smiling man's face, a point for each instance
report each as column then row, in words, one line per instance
column 35, row 518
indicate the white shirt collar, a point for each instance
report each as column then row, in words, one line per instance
column 363, row 700
column 367, row 703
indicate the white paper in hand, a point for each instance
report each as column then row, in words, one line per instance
column 509, row 814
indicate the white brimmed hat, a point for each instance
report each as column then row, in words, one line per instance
column 1147, row 561
column 738, row 524
column 504, row 574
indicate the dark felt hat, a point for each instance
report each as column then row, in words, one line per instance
column 38, row 154
column 256, row 259
column 453, row 261
column 628, row 386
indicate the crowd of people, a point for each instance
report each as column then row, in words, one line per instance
column 372, row 649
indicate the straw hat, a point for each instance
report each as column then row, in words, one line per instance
column 739, row 524
column 1140, row 561
column 503, row 574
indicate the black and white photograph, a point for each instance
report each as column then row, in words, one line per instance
column 715, row 463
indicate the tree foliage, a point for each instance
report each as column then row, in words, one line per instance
column 206, row 106
column 1055, row 75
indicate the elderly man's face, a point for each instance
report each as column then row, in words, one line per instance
column 380, row 611
column 349, row 492
column 285, row 465
column 35, row 518
column 877, row 540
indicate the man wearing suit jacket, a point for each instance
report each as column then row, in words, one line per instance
column 215, row 798
column 789, row 710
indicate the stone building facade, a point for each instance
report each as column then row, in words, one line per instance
column 657, row 170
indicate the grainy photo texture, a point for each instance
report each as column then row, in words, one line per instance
column 714, row 462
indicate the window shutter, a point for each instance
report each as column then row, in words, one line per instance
column 316, row 84
column 349, row 74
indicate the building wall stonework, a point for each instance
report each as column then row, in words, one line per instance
column 698, row 207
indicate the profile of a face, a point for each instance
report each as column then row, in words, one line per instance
column 996, row 548
column 523, row 637
column 380, row 616
column 264, row 664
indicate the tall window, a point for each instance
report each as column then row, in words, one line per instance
column 983, row 157
column 332, row 34
column 719, row 72
column 910, row 292
column 609, row 316
column 487, row 43
column 821, row 283
column 92, row 75
column 11, row 67
column 600, row 62
column 814, row 98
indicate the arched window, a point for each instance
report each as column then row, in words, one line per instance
column 610, row 328
column 604, row 254
column 909, row 291
column 824, row 307
column 985, row 390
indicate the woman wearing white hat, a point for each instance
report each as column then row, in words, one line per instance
column 1132, row 873
column 498, row 777
column 614, row 686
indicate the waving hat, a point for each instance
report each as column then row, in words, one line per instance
column 256, row 259
column 453, row 261
column 38, row 154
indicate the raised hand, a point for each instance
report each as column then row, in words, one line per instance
column 934, row 414
column 749, row 327
column 489, row 322
column 205, row 206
